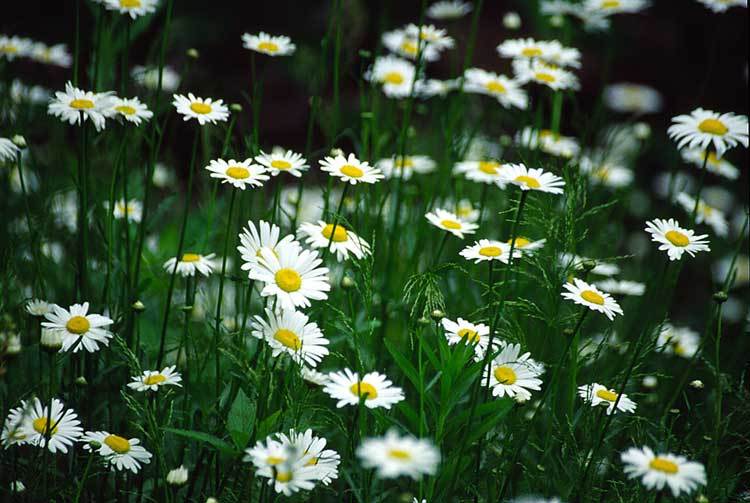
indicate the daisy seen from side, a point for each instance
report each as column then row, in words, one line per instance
column 591, row 297
column 119, row 452
column 597, row 394
column 393, row 455
column 375, row 389
column 152, row 380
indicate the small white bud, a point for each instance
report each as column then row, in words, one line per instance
column 642, row 130
column 512, row 20
column 51, row 340
column 178, row 476
column 697, row 384
column 19, row 141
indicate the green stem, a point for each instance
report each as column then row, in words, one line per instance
column 336, row 220
column 217, row 325
column 694, row 213
column 85, row 476
column 32, row 232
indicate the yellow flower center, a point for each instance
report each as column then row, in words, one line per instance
column 200, row 108
column 593, row 297
column 238, row 172
column 154, row 379
column 274, row 460
column 530, row 182
column 677, row 238
column 288, row 339
column 283, row 476
column 678, row 348
column 504, row 375
column 521, row 242
column 713, row 126
column 8, row 49
column 495, row 86
column 280, row 164
column 288, row 280
column 268, row 47
column 712, row 158
column 41, row 425
column 130, row 4
column 602, row 174
column 78, row 325
column 190, row 257
column 399, row 454
column 409, row 47
column 547, row 78
column 393, row 78
column 364, row 389
column 118, row 444
column 531, row 52
column 312, row 462
column 125, row 110
column 489, row 167
column 82, row 104
column 404, row 163
column 339, row 235
column 607, row 395
column 467, row 333
column 352, row 171
column 450, row 224
column 610, row 4
column 663, row 465
column 490, row 251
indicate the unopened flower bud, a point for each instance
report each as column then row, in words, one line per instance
column 674, row 411
column 423, row 320
column 13, row 345
column 94, row 444
column 365, row 54
column 193, row 53
column 642, row 130
column 512, row 20
column 347, row 282
column 235, row 107
column 437, row 314
column 588, row 265
column 178, row 476
column 19, row 141
column 720, row 297
column 139, row 306
column 697, row 384
column 556, row 21
column 51, row 340
column 650, row 382
column 336, row 152
column 81, row 381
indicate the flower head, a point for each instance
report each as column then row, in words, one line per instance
column 152, row 380
column 702, row 128
column 393, row 456
column 239, row 174
column 202, row 110
column 78, row 329
column 676, row 240
column 513, row 374
column 190, row 263
column 350, row 169
column 451, row 222
column 596, row 394
column 119, row 452
column 659, row 470
column 268, row 44
column 590, row 296
column 375, row 389
column 75, row 106
column 291, row 332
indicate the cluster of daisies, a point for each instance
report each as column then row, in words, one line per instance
column 13, row 47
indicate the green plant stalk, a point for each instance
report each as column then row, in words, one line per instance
column 717, row 377
column 82, row 484
column 110, row 222
column 336, row 220
column 33, row 240
column 694, row 213
column 77, row 43
column 557, row 103
column 83, row 205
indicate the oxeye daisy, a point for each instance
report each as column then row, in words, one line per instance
column 253, row 239
column 548, row 142
column 8, row 150
column 717, row 165
column 513, row 374
column 291, row 332
column 545, row 74
column 131, row 210
column 676, row 240
column 132, row 110
column 350, row 169
column 37, row 307
column 78, row 329
column 659, row 470
column 15, row 47
column 152, row 380
column 507, row 92
column 486, row 250
column 451, row 222
column 393, row 456
column 292, row 275
column 269, row 45
column 526, row 245
column 462, row 331
column 189, row 263
column 428, row 88
column 75, row 106
column 311, row 450
column 282, row 161
column 590, row 296
column 448, row 9
column 149, row 77
column 621, row 287
column 314, row 376
column 134, row 8
column 706, row 214
column 203, row 110
column 431, row 35
column 466, row 211
column 606, row 172
column 702, row 128
column 596, row 394
column 625, row 97
column 610, row 7
column 61, row 427
column 57, row 54
column 278, row 462
column 239, row 174
column 528, row 48
column 681, row 341
column 120, row 452
column 487, row 171
column 723, row 5
column 576, row 262
column 374, row 388
column 408, row 46
column 342, row 240
column 406, row 167
column 532, row 179
column 395, row 74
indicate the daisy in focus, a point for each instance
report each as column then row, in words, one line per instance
column 61, row 426
column 78, row 329
column 121, row 453
column 532, row 179
column 133, row 8
column 291, row 332
column 132, row 110
column 590, row 296
column 513, row 374
column 596, row 394
column 451, row 222
column 350, row 169
column 152, row 380
column 342, row 240
column 702, row 128
column 405, row 168
column 265, row 235
column 393, row 456
column 239, row 174
column 486, row 250
column 268, row 44
column 395, row 74
column 375, row 389
column 462, row 331
column 202, row 110
column 76, row 106
column 190, row 263
column 507, row 92
column 448, row 9
column 680, row 341
column 659, row 470
column 282, row 161
column 676, row 240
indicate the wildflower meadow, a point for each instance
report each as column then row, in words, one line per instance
column 351, row 251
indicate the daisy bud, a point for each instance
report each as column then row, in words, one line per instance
column 17, row 486
column 720, row 297
column 506, row 140
column 697, row 384
column 13, row 345
column 437, row 314
column 701, row 499
column 19, row 141
column 211, row 499
column 588, row 265
column 178, row 476
column 186, row 308
column 51, row 340
column 642, row 130
column 81, row 381
column 235, row 107
column 335, row 152
column 138, row 306
column 512, row 20
column 568, row 332
column 674, row 411
column 347, row 282
column 193, row 53
column 423, row 321
column 650, row 382
column 94, row 444
column 556, row 21
column 365, row 54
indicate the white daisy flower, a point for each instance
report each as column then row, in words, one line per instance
column 596, row 394
column 314, row 377
column 61, row 425
column 549, row 142
column 526, row 245
column 131, row 210
column 606, row 172
column 465, row 210
column 545, row 74
column 152, row 380
column 132, row 110
column 282, row 465
column 312, row 451
column 239, row 174
column 507, row 91
column 716, row 165
column 610, row 7
column 486, row 250
column 702, row 128
column 134, row 8
column 487, row 171
column 78, row 329
column 681, row 341
column 723, row 5
column 350, row 169
column 149, row 77
column 451, row 222
column 529, row 49
column 291, row 332
column 374, row 388
column 630, row 98
column 190, row 263
column 203, row 110
column 253, row 239
column 282, row 161
column 12, row 432
column 590, row 296
column 8, row 150
column 342, row 240
column 513, row 374
column 430, row 35
column 532, row 179
column 407, row 46
column 406, row 167
column 448, row 9
column 37, row 307
column 675, row 239
column 428, row 88
column 659, row 470
column 465, row 332
column 121, row 453
column 621, row 287
column 15, row 47
column 393, row 456
column 56, row 55
column 395, row 74
column 177, row 476
column 269, row 45
column 706, row 214
column 75, row 106
column 293, row 276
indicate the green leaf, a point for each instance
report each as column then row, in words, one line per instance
column 405, row 365
column 241, row 420
column 199, row 436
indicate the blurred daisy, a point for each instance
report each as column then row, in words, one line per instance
column 292, row 275
column 291, row 332
column 462, row 331
column 177, row 476
column 590, row 296
column 486, row 250
column 466, row 211
column 121, row 453
column 528, row 48
column 395, row 74
column 676, row 240
column 239, row 174
column 131, row 210
column 282, row 161
column 596, row 394
column 15, row 47
column 600, row 267
column 75, row 106
column 448, row 9
column 56, row 55
column 718, row 166
column 253, row 239
column 657, row 471
column 428, row 88
column 431, row 35
column 190, row 263
column 8, row 150
column 680, row 341
column 487, row 171
column 311, row 450
column 610, row 7
column 61, row 426
column 526, row 245
column 268, row 44
column 152, row 380
column 281, row 464
column 702, row 128
column 132, row 110
column 350, row 169
column 36, row 307
column 608, row 173
column 149, row 77
column 408, row 46
column 513, row 374
column 342, row 240
column 532, row 179
column 134, row 8
column 632, row 98
column 12, row 432
column 393, row 456
column 451, row 222
column 621, row 287
column 374, row 388
column 314, row 377
column 706, row 214
column 78, row 329
column 545, row 74
column 500, row 87
column 203, row 110
column 723, row 5
column 549, row 142
column 406, row 167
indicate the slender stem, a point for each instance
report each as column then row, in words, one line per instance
column 32, row 233
column 85, row 476
column 82, row 214
column 336, row 220
column 717, row 377
column 694, row 213
column 217, row 325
